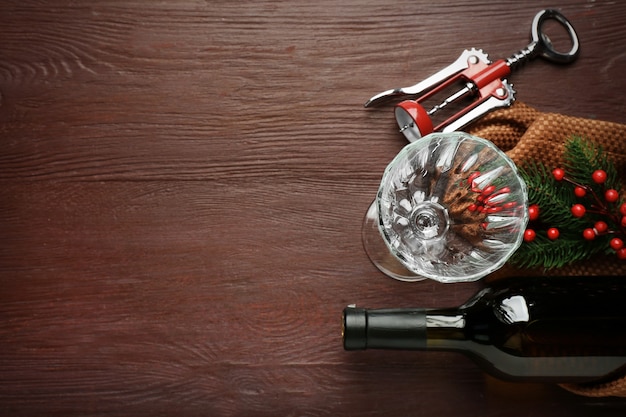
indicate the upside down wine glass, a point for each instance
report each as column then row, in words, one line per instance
column 450, row 207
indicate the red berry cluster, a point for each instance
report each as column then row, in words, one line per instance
column 604, row 207
column 489, row 199
column 533, row 215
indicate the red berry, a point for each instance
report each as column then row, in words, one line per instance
column 589, row 234
column 623, row 222
column 553, row 233
column 616, row 243
column 611, row 196
column 621, row 253
column 598, row 176
column 558, row 174
column 529, row 235
column 472, row 207
column 580, row 192
column 578, row 210
column 533, row 212
column 601, row 227
column 488, row 190
column 622, row 209
column 472, row 177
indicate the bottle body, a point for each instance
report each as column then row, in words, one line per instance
column 566, row 329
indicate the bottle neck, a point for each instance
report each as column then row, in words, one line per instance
column 444, row 325
column 409, row 328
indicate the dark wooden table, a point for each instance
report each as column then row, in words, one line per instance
column 182, row 189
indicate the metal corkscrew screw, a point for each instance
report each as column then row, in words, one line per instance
column 481, row 79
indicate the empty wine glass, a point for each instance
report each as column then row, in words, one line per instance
column 450, row 207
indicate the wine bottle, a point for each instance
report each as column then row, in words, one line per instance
column 558, row 329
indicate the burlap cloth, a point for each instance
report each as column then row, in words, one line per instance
column 525, row 134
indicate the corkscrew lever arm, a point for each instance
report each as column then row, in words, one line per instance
column 459, row 65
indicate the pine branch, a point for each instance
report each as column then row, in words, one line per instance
column 542, row 252
column 582, row 157
column 555, row 199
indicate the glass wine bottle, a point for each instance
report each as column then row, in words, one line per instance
column 558, row 329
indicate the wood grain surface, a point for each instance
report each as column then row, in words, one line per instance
column 182, row 186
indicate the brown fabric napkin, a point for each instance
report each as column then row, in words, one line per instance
column 527, row 134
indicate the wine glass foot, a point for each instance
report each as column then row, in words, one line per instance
column 378, row 251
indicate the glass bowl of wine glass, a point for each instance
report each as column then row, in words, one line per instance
column 450, row 207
